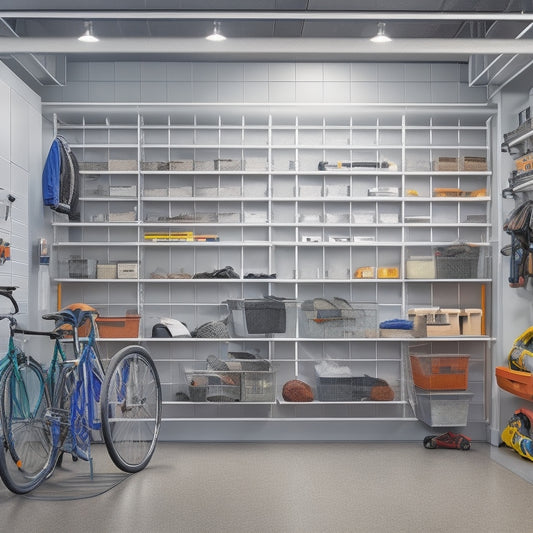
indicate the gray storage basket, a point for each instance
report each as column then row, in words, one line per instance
column 457, row 262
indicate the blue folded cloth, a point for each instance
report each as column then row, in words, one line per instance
column 396, row 323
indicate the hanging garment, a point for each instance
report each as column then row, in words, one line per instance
column 60, row 180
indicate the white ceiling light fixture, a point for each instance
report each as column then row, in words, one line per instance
column 88, row 35
column 381, row 36
column 216, row 35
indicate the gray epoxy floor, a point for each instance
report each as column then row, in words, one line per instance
column 294, row 487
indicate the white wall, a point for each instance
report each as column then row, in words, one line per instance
column 20, row 171
column 265, row 82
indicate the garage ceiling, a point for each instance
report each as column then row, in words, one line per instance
column 38, row 36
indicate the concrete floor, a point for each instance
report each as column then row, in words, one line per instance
column 286, row 488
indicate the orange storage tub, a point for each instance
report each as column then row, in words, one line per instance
column 440, row 372
column 516, row 382
column 118, row 326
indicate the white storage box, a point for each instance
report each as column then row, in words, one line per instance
column 420, row 267
column 388, row 218
column 364, row 217
column 95, row 166
column 122, row 164
column 123, row 190
column 229, row 192
column 127, row 270
column 338, row 190
column 227, row 164
column 204, row 165
column 184, row 191
column 206, row 191
column 384, row 191
column 128, row 216
column 155, row 193
column 106, row 271
column 181, row 165
column 154, row 166
column 310, row 219
column 338, row 218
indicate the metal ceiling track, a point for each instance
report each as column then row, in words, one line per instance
column 265, row 15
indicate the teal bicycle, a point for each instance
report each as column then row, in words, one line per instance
column 46, row 413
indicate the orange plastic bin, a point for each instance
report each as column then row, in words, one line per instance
column 440, row 372
column 118, row 326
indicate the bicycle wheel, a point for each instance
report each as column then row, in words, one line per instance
column 27, row 453
column 131, row 408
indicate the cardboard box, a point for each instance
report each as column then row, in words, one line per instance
column 106, row 271
column 127, row 270
column 123, row 164
column 446, row 164
column 154, row 166
column 123, row 190
column 435, row 322
column 471, row 321
column 181, row 165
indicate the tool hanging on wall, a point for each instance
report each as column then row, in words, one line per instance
column 519, row 225
column 5, row 251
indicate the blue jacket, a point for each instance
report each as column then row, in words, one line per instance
column 51, row 174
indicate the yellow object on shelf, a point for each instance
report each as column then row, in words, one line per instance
column 177, row 236
column 477, row 192
column 525, row 163
column 447, row 191
column 453, row 192
column 388, row 272
column 365, row 272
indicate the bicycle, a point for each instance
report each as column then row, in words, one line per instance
column 45, row 413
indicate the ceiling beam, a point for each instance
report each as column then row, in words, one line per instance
column 342, row 47
column 265, row 15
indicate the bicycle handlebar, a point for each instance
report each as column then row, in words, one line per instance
column 7, row 292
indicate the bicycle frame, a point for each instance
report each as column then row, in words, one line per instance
column 76, row 394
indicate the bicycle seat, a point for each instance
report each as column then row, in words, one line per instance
column 73, row 315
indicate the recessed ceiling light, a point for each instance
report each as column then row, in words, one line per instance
column 381, row 36
column 216, row 35
column 88, row 35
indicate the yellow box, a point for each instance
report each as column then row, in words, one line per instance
column 388, row 272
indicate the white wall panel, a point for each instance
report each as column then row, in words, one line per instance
column 19, row 131
column 337, row 72
column 130, row 91
column 5, row 122
column 230, row 72
column 178, row 71
column 102, row 71
column 256, row 72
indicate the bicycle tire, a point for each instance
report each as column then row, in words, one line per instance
column 27, row 454
column 131, row 408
